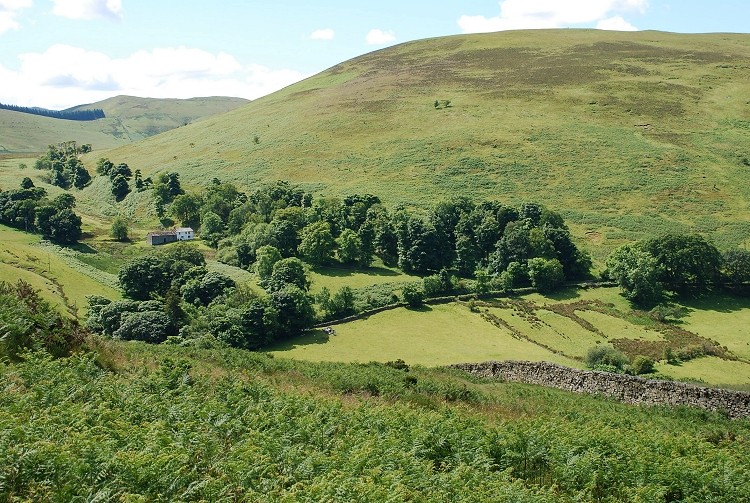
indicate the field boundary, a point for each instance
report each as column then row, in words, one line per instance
column 625, row 388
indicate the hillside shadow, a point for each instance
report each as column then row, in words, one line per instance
column 345, row 272
column 720, row 302
column 565, row 294
column 308, row 339
column 82, row 248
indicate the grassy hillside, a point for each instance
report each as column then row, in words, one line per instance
column 629, row 134
column 127, row 119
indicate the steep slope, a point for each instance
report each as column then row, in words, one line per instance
column 628, row 133
column 127, row 119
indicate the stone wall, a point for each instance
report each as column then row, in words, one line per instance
column 628, row 389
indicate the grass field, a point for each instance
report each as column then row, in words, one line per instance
column 435, row 335
column 534, row 328
column 61, row 278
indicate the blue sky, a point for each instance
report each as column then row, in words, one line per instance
column 60, row 53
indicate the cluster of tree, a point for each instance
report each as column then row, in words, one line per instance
column 159, row 285
column 528, row 245
column 64, row 165
column 119, row 176
column 29, row 209
column 29, row 322
column 71, row 115
column 170, row 291
column 680, row 264
column 609, row 359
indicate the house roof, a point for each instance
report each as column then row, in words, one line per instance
column 161, row 233
column 184, row 229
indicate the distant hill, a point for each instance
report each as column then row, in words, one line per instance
column 127, row 119
column 85, row 114
column 629, row 134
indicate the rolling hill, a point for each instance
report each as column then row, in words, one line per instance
column 627, row 134
column 127, row 119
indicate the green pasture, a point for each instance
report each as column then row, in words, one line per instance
column 61, row 278
column 433, row 335
column 334, row 278
column 535, row 328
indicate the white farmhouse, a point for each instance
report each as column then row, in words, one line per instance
column 184, row 233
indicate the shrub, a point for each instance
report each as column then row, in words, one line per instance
column 413, row 295
column 643, row 365
column 603, row 357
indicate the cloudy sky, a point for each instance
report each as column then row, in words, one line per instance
column 61, row 53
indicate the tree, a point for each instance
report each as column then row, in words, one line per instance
column 637, row 273
column 316, row 243
column 186, row 208
column 142, row 276
column 736, row 266
column 148, row 326
column 202, row 291
column 119, row 230
column 120, row 187
column 295, row 310
column 349, row 247
column 288, row 271
column 26, row 183
column 545, row 274
column 64, row 201
column 688, row 262
column 266, row 257
column 212, row 229
column 606, row 358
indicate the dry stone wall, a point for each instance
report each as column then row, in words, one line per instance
column 628, row 389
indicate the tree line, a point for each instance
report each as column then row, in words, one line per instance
column 64, row 166
column 71, row 115
column 29, row 209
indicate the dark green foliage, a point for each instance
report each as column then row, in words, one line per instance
column 687, row 262
column 27, row 183
column 89, row 114
column 349, row 247
column 643, row 365
column 29, row 322
column 120, row 187
column 186, row 208
column 413, row 295
column 736, row 266
column 316, row 243
column 606, row 358
column 119, row 229
column 295, row 310
column 153, row 274
column 340, row 305
column 288, row 271
column 545, row 274
column 147, row 326
column 65, row 168
column 266, row 257
column 202, row 291
column 638, row 274
column 212, row 228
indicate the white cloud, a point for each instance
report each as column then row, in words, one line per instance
column 64, row 76
column 9, row 10
column 88, row 9
column 380, row 37
column 322, row 34
column 616, row 23
column 530, row 14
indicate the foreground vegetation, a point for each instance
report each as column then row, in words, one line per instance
column 168, row 423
